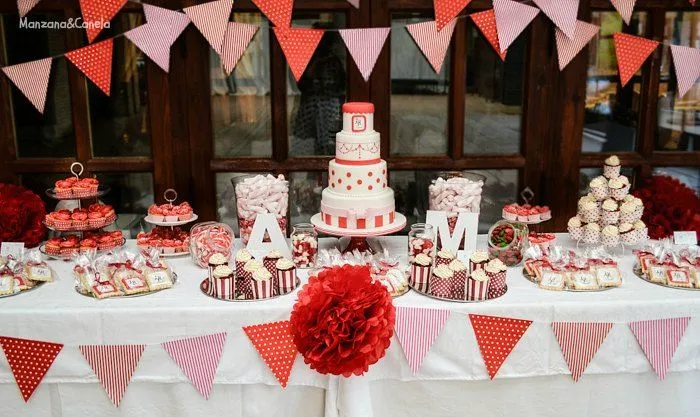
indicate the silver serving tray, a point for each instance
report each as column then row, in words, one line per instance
column 203, row 285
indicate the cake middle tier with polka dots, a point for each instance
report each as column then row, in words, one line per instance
column 358, row 195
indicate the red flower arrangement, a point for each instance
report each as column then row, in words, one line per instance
column 21, row 215
column 343, row 322
column 669, row 206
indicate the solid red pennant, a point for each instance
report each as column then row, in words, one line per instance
column 486, row 22
column 298, row 46
column 631, row 52
column 198, row 357
column 96, row 13
column 497, row 336
column 446, row 10
column 95, row 61
column 29, row 361
column 274, row 342
column 114, row 365
column 32, row 79
column 579, row 343
column 279, row 12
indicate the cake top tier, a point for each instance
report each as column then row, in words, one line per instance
column 358, row 118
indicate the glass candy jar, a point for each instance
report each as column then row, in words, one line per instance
column 304, row 245
column 507, row 241
column 209, row 238
column 421, row 239
column 257, row 194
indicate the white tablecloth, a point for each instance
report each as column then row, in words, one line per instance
column 534, row 380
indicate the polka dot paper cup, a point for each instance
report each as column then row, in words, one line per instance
column 610, row 217
column 591, row 236
column 590, row 215
column 576, row 233
column 610, row 240
column 629, row 238
column 600, row 193
column 619, row 193
column 626, row 217
column 611, row 171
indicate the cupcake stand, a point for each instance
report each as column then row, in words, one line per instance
column 170, row 196
column 77, row 169
column 358, row 238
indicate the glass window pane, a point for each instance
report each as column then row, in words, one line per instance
column 120, row 123
column 305, row 194
column 678, row 117
column 240, row 102
column 313, row 104
column 419, row 96
column 587, row 174
column 50, row 134
column 494, row 95
column 688, row 176
column 411, row 193
column 611, row 111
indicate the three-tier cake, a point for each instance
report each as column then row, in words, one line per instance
column 358, row 196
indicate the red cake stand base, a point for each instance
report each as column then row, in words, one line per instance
column 358, row 238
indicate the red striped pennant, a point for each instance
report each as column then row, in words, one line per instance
column 236, row 41
column 275, row 343
column 32, row 79
column 497, row 336
column 686, row 61
column 659, row 340
column 114, row 365
column 279, row 12
column 625, row 8
column 365, row 45
column 569, row 47
column 355, row 3
column 174, row 21
column 631, row 52
column 151, row 40
column 579, row 343
column 24, row 6
column 446, row 10
column 95, row 61
column 417, row 329
column 211, row 19
column 511, row 19
column 29, row 361
column 96, row 13
column 562, row 13
column 432, row 43
column 198, row 357
column 486, row 22
column 298, row 46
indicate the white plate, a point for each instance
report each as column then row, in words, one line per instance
column 149, row 219
column 396, row 226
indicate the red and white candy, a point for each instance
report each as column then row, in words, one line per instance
column 304, row 250
column 422, row 245
column 455, row 194
column 206, row 240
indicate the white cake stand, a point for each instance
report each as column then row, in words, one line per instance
column 358, row 238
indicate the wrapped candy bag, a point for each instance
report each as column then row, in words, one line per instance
column 7, row 277
column 157, row 273
column 85, row 273
column 129, row 276
column 35, row 267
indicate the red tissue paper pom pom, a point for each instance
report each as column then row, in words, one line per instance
column 343, row 322
column 21, row 215
column 669, row 206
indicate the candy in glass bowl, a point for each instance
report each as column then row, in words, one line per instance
column 209, row 238
column 506, row 241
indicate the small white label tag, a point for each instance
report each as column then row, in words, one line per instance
column 685, row 238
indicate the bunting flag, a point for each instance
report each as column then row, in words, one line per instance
column 150, row 39
column 486, row 22
column 279, row 12
column 198, row 357
column 625, row 8
column 686, row 61
column 355, row 3
column 32, row 79
column 631, row 52
column 174, row 22
column 24, row 6
column 497, row 336
column 446, row 10
column 96, row 14
column 432, row 43
column 579, row 343
column 569, row 47
column 114, row 365
column 95, row 61
column 238, row 36
column 562, row 13
column 365, row 45
column 274, row 342
column 211, row 19
column 511, row 19
column 659, row 340
column 298, row 46
column 417, row 329
column 29, row 361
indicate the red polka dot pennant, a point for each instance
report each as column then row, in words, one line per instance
column 29, row 361
column 298, row 46
column 486, row 22
column 114, row 365
column 95, row 61
column 279, row 12
column 446, row 10
column 631, row 52
column 497, row 336
column 96, row 14
column 275, row 344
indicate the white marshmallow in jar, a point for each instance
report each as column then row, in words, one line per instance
column 456, row 192
column 262, row 193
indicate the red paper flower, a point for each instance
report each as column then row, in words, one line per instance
column 343, row 322
column 669, row 206
column 21, row 215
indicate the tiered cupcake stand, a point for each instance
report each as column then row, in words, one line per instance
column 170, row 195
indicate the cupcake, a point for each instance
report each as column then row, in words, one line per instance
column 420, row 272
column 478, row 260
column 496, row 271
column 626, row 185
column 477, row 286
column 459, row 278
column 610, row 212
column 575, row 228
column 217, row 259
column 62, row 220
column 262, row 284
column 628, row 235
column 590, row 212
column 63, row 189
column 441, row 282
column 523, row 214
column 170, row 214
column 641, row 230
column 87, row 245
column 95, row 220
column 545, row 213
column 510, row 212
column 611, row 169
column 242, row 256
column 599, row 188
column 223, row 282
column 533, row 215
column 444, row 257
column 627, row 212
column 591, row 233
column 246, row 278
column 286, row 274
column 53, row 246
column 639, row 207
column 156, row 213
column 617, row 188
column 80, row 220
column 611, row 235
column 81, row 190
column 583, row 200
column 270, row 260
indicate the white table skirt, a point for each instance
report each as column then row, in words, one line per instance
column 453, row 377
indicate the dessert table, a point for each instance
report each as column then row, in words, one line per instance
column 533, row 381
